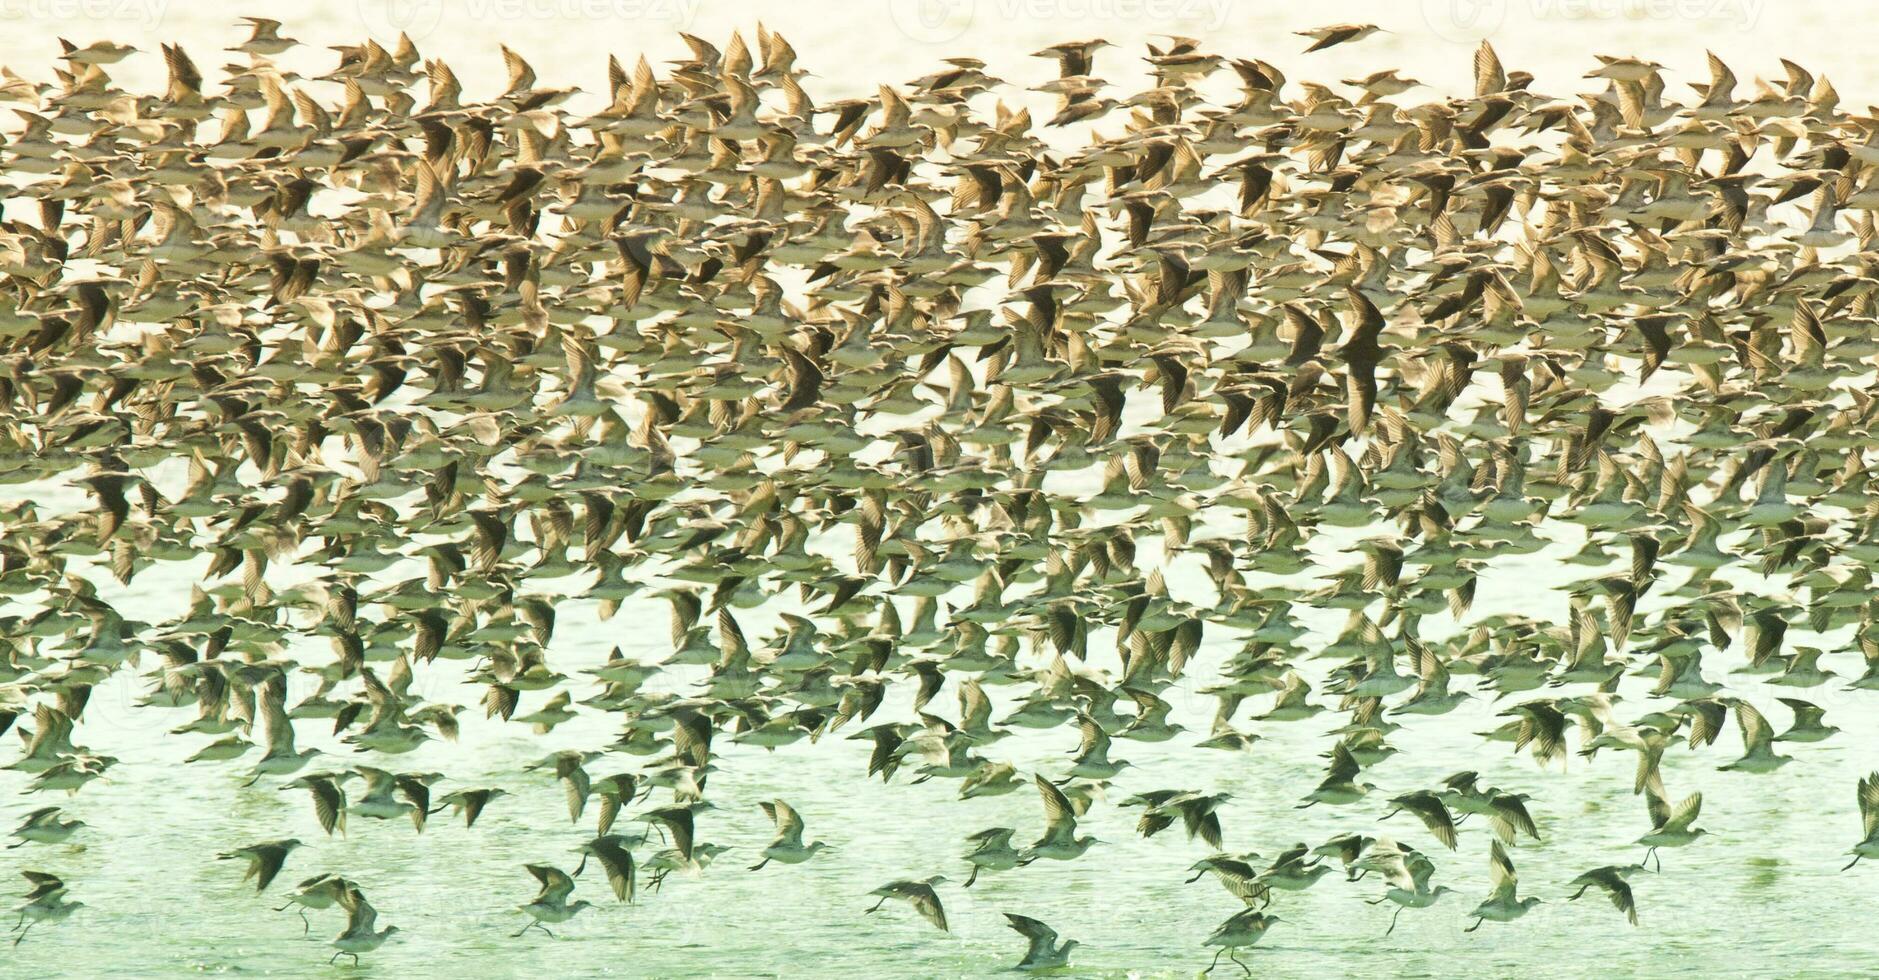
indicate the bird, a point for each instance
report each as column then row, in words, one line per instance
column 991, row 851
column 321, row 891
column 788, row 846
column 46, row 902
column 1503, row 903
column 1059, row 841
column 1244, row 928
column 1324, row 37
column 264, row 859
column 612, row 852
column 1407, row 873
column 359, row 935
column 1044, row 951
column 1611, row 880
column 470, row 802
column 45, row 826
column 920, row 893
column 550, row 905
column 1868, row 799
column 1758, row 739
column 1670, row 826
column 1339, row 786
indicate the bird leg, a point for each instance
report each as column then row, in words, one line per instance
column 1216, row 962
column 532, row 924
column 974, row 876
column 1231, row 954
column 759, row 865
column 1855, row 860
column 1477, row 925
column 1393, row 918
column 22, row 936
column 877, row 905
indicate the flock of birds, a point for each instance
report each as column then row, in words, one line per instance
column 955, row 387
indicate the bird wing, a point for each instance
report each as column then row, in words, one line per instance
column 1685, row 813
column 43, row 884
column 1655, row 802
column 1489, row 77
column 1501, row 869
column 928, row 905
column 1756, row 733
column 267, row 864
column 678, row 820
column 1806, row 713
column 329, row 802
column 1043, row 938
column 1343, row 765
column 789, row 823
column 1058, row 814
column 556, row 885
column 1869, row 803
column 1420, row 869
column 994, row 835
column 1291, row 857
column 1510, row 817
column 360, row 915
column 1094, row 739
column 617, row 862
column 1434, row 815
column 1620, row 891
